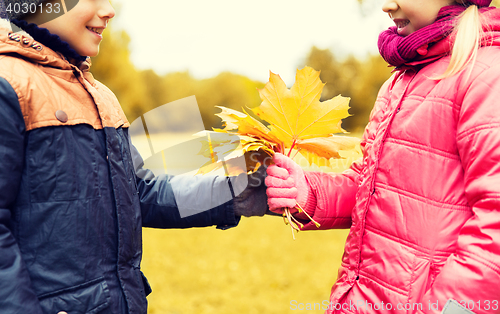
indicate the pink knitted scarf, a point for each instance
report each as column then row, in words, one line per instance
column 397, row 49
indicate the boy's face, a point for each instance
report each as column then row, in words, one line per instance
column 82, row 26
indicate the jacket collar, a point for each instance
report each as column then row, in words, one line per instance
column 441, row 48
column 23, row 44
column 50, row 40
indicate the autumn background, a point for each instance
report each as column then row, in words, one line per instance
column 255, row 267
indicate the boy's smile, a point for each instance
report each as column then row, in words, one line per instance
column 97, row 30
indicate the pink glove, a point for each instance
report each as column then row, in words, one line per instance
column 286, row 185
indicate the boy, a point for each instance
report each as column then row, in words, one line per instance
column 71, row 205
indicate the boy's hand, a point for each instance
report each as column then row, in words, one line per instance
column 253, row 200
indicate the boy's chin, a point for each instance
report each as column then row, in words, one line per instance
column 88, row 52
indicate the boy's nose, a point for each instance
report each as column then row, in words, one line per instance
column 106, row 10
column 390, row 6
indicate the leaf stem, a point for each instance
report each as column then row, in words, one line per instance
column 291, row 147
column 292, row 226
column 298, row 223
column 301, row 210
column 285, row 217
column 280, row 148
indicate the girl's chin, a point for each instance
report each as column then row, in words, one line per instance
column 405, row 31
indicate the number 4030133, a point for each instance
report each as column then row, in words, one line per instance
column 30, row 8
column 46, row 11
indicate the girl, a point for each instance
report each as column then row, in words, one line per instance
column 423, row 204
column 71, row 206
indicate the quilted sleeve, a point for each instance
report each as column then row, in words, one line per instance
column 16, row 295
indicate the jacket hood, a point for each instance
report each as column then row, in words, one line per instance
column 432, row 52
column 24, row 45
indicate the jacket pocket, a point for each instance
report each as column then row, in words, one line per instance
column 88, row 298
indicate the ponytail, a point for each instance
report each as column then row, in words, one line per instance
column 467, row 34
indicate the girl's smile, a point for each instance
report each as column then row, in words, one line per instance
column 401, row 25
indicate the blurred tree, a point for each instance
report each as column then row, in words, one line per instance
column 358, row 79
column 178, row 85
column 156, row 94
column 115, row 70
column 228, row 90
column 373, row 73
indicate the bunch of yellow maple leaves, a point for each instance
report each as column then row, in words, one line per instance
column 298, row 122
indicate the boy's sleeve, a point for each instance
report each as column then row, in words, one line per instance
column 184, row 201
column 16, row 295
column 472, row 273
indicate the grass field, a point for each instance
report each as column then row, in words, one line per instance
column 254, row 268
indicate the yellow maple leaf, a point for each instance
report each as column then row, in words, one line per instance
column 213, row 145
column 245, row 124
column 252, row 144
column 327, row 147
column 297, row 113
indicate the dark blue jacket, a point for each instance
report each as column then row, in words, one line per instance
column 71, row 205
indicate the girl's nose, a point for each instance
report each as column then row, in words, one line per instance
column 390, row 6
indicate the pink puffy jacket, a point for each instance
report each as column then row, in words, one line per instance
column 423, row 205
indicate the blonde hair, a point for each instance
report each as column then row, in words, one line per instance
column 467, row 33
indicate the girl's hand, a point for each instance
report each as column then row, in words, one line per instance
column 286, row 185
